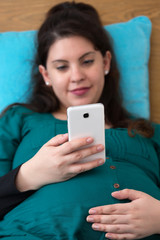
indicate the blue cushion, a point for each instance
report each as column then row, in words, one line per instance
column 132, row 48
column 131, row 45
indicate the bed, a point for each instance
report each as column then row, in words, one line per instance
column 22, row 15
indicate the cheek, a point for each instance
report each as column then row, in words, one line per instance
column 98, row 72
column 98, row 77
column 57, row 87
column 60, row 88
column 57, row 82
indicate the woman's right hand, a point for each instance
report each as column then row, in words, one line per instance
column 58, row 160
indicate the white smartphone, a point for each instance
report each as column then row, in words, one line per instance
column 87, row 121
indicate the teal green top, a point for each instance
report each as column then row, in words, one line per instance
column 58, row 211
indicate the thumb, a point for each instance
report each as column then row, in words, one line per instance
column 128, row 194
column 57, row 140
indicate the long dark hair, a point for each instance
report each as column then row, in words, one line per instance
column 80, row 19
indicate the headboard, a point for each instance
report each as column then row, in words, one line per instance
column 20, row 15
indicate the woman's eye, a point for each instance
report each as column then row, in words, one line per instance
column 62, row 68
column 88, row 62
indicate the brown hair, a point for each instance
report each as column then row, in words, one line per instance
column 80, row 19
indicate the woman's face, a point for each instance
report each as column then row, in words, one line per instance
column 75, row 70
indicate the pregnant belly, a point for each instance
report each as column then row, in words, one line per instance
column 58, row 211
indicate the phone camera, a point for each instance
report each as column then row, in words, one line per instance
column 86, row 115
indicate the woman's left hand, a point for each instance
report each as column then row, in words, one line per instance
column 134, row 220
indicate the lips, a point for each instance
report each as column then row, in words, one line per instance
column 80, row 91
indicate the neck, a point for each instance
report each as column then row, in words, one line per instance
column 60, row 115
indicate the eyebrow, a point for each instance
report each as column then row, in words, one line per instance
column 65, row 61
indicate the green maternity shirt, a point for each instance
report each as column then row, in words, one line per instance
column 58, row 211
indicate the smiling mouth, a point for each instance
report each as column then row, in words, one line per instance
column 80, row 91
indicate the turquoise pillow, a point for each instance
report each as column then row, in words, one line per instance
column 132, row 48
column 131, row 42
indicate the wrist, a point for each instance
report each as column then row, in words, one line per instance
column 25, row 179
column 157, row 218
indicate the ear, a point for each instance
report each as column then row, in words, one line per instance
column 45, row 75
column 107, row 61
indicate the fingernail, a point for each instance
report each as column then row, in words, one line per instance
column 89, row 140
column 108, row 235
column 64, row 135
column 100, row 148
column 90, row 219
column 115, row 193
column 92, row 211
column 101, row 162
column 95, row 226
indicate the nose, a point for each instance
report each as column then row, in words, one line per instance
column 77, row 74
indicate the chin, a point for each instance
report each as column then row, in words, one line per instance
column 82, row 103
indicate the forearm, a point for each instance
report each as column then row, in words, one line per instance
column 10, row 196
column 29, row 177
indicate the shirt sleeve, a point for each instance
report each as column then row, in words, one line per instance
column 156, row 138
column 156, row 141
column 10, row 137
column 10, row 197
column 11, row 124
